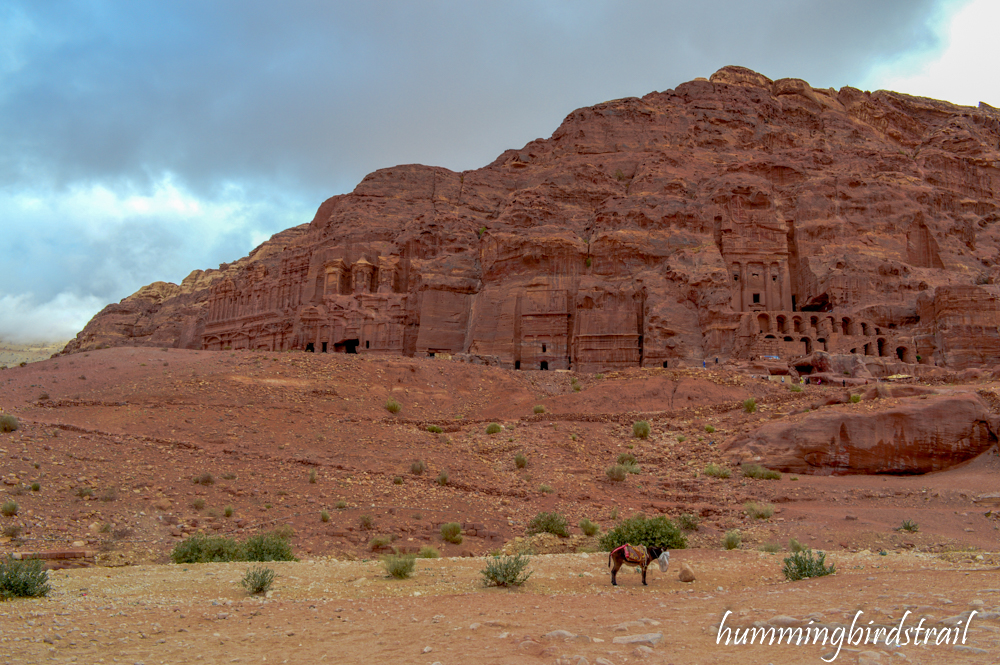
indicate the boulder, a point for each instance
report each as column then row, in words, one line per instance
column 917, row 435
column 686, row 573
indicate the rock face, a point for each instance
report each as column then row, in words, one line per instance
column 731, row 217
column 920, row 435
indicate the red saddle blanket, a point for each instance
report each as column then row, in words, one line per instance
column 634, row 553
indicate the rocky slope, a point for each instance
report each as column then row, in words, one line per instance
column 736, row 216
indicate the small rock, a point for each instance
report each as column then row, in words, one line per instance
column 643, row 651
column 559, row 635
column 646, row 638
column 427, row 649
column 851, row 517
column 603, row 661
column 686, row 573
column 784, row 621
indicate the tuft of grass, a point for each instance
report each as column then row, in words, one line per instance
column 366, row 522
column 434, row 429
column 228, row 511
column 732, row 539
column 795, row 388
column 203, row 479
column 452, row 532
column 640, row 530
column 109, row 494
column 750, row 405
column 520, row 461
column 9, row 508
column 392, row 406
column 617, row 473
column 681, row 438
column 428, row 552
column 229, row 475
column 589, row 528
column 909, row 526
column 760, row 473
column 397, row 480
column 36, row 487
column 506, row 571
column 539, row 408
column 688, row 521
column 442, row 478
column 8, row 423
column 399, row 566
column 198, row 504
column 759, row 511
column 626, row 458
column 493, row 428
column 553, row 523
column 312, row 476
column 641, row 429
column 379, row 542
column 796, row 546
column 801, row 565
column 23, row 579
column 770, row 548
column 13, row 531
column 418, row 467
column 855, row 398
column 324, row 515
column 716, row 471
column 258, row 580
column 340, row 505
column 84, row 492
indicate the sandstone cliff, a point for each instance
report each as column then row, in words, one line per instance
column 736, row 216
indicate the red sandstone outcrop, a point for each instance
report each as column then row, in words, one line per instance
column 918, row 435
column 731, row 217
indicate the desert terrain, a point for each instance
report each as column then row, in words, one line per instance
column 115, row 438
column 12, row 353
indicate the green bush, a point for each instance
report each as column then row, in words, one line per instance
column 203, row 479
column 198, row 504
column 8, row 423
column 392, row 406
column 539, row 408
column 545, row 488
column 324, row 516
column 759, row 511
column 418, row 468
column 520, row 461
column 589, row 528
column 795, row 388
column 366, row 522
column 750, row 405
column 340, row 505
column 205, row 549
column 732, row 539
column 428, row 552
column 379, row 542
column 399, row 566
column 760, row 473
column 506, row 571
column 681, row 438
column 640, row 530
column 802, row 565
column 553, row 523
column 228, row 511
column 270, row 546
column 908, row 525
column 452, row 532
column 617, row 473
column 770, row 548
column 434, row 429
column 442, row 478
column 36, row 487
column 640, row 429
column 23, row 579
column 626, row 458
column 312, row 476
column 796, row 546
column 688, row 521
column 709, row 429
column 9, row 508
column 258, row 580
column 716, row 471
column 493, row 428
column 397, row 480
column 855, row 399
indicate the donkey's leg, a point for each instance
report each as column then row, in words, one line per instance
column 614, row 572
column 644, row 576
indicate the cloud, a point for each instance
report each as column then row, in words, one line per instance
column 26, row 320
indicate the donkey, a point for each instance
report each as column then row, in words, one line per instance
column 643, row 556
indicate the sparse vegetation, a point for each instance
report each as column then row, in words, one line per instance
column 681, row 438
column 640, row 530
column 84, row 492
column 228, row 511
column 9, row 508
column 312, row 476
column 617, row 473
column 203, row 479
column 270, row 546
column 758, row 472
column 36, row 487
column 392, row 406
column 709, row 429
column 732, row 539
column 258, row 580
column 493, row 428
column 324, row 515
column 750, row 405
column 379, row 542
column 229, row 476
column 452, row 532
column 553, row 523
column 855, row 398
column 506, row 571
column 418, row 467
column 759, row 511
column 641, row 429
column 520, row 461
column 539, row 408
column 909, row 526
column 801, row 565
column 796, row 546
column 399, row 566
column 770, row 548
column 198, row 504
column 428, row 552
column 23, row 579
column 434, row 429
column 397, row 480
column 688, row 521
column 340, row 505
column 716, row 471
column 795, row 388
column 442, row 478
column 545, row 489
column 109, row 494
column 13, row 531
column 589, row 528
column 366, row 522
column 8, row 423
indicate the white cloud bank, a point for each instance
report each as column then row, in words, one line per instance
column 25, row 320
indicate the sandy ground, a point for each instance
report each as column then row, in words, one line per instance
column 12, row 354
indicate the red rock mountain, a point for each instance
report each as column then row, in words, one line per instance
column 730, row 217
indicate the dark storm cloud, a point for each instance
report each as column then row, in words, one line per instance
column 260, row 110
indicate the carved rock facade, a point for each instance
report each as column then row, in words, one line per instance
column 731, row 217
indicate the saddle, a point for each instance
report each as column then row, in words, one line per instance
column 636, row 554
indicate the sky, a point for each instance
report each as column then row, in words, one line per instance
column 141, row 140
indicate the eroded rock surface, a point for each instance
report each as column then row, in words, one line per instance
column 919, row 435
column 731, row 217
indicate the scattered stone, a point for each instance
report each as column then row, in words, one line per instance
column 559, row 635
column 686, row 573
column 651, row 639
